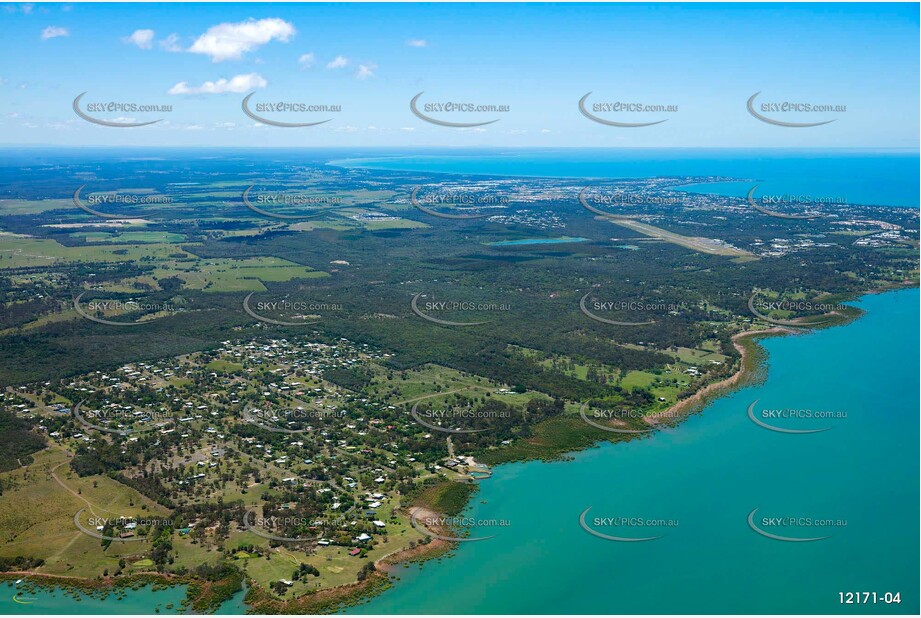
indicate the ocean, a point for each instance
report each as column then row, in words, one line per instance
column 708, row 474
column 870, row 177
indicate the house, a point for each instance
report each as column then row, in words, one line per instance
column 364, row 536
column 355, row 552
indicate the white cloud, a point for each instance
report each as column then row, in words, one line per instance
column 408, row 129
column 339, row 62
column 417, row 43
column 229, row 41
column 306, row 60
column 171, row 43
column 52, row 32
column 25, row 8
column 365, row 71
column 237, row 83
column 141, row 38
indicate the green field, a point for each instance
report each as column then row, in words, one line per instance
column 28, row 252
column 231, row 275
column 37, row 514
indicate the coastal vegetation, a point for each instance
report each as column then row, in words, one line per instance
column 200, row 396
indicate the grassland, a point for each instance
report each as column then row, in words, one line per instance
column 37, row 515
column 29, row 252
column 235, row 275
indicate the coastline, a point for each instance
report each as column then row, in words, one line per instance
column 753, row 362
column 200, row 599
column 335, row 599
column 332, row 600
column 419, row 552
column 748, row 367
column 202, row 596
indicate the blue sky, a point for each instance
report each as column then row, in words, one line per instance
column 539, row 60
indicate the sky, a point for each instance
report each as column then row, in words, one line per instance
column 701, row 62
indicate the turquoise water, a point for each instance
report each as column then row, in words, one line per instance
column 708, row 474
column 536, row 241
column 878, row 177
column 145, row 600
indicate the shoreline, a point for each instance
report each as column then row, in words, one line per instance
column 335, row 599
column 202, row 596
column 419, row 552
column 327, row 601
column 748, row 366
